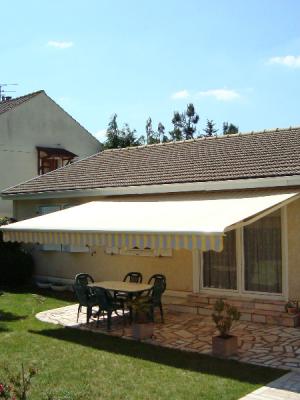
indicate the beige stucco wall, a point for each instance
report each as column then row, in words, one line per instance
column 178, row 268
column 37, row 122
column 293, row 228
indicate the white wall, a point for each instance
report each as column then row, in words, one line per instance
column 37, row 122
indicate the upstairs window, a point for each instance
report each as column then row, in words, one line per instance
column 50, row 158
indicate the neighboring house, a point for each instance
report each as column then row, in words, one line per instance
column 238, row 192
column 37, row 136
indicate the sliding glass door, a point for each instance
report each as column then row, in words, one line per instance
column 262, row 255
column 219, row 268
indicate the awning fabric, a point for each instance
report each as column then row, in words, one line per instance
column 195, row 224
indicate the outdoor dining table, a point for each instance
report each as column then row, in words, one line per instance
column 131, row 288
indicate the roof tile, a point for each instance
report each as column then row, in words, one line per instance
column 241, row 156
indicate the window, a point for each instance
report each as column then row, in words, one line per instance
column 47, row 210
column 50, row 159
column 58, row 247
column 262, row 255
column 219, row 268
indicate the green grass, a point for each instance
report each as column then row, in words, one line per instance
column 77, row 365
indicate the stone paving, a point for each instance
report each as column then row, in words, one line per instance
column 286, row 388
column 259, row 344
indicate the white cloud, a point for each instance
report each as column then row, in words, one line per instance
column 182, row 94
column 100, row 135
column 220, row 94
column 288, row 61
column 60, row 44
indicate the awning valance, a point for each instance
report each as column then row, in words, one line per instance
column 174, row 224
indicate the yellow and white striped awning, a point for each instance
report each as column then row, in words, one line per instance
column 199, row 224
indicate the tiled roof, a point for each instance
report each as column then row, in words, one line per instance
column 253, row 155
column 8, row 105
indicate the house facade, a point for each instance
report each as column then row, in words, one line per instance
column 254, row 179
column 36, row 137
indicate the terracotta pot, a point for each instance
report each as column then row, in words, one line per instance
column 142, row 331
column 292, row 310
column 224, row 347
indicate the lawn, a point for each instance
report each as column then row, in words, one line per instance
column 75, row 365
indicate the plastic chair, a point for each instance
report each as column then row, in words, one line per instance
column 107, row 304
column 83, row 279
column 135, row 277
column 159, row 283
column 86, row 298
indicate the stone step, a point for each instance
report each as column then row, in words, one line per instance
column 270, row 317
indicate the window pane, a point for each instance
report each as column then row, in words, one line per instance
column 262, row 244
column 219, row 268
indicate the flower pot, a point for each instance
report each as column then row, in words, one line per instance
column 58, row 287
column 143, row 330
column 292, row 310
column 224, row 347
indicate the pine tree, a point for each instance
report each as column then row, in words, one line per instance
column 185, row 124
column 229, row 129
column 210, row 129
column 151, row 136
column 163, row 138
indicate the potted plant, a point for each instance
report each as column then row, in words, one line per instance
column 142, row 326
column 224, row 345
column 291, row 307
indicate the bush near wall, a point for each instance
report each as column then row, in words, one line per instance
column 16, row 264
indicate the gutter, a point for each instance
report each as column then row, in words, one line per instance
column 237, row 184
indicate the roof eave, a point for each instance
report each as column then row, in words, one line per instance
column 238, row 184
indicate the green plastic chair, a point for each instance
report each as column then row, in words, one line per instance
column 86, row 298
column 83, row 279
column 159, row 283
column 107, row 305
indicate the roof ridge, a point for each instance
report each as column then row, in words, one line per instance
column 175, row 142
column 24, row 95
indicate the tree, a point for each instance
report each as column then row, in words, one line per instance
column 151, row 136
column 118, row 138
column 210, row 129
column 229, row 129
column 185, row 124
column 112, row 134
column 163, row 138
column 191, row 121
column 128, row 137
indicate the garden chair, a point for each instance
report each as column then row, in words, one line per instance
column 159, row 283
column 107, row 305
column 86, row 298
column 135, row 277
column 83, row 279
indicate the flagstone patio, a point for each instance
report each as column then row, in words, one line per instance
column 259, row 344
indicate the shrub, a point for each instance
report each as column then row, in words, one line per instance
column 224, row 315
column 16, row 264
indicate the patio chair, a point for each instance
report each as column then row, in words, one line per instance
column 107, row 304
column 135, row 277
column 86, row 298
column 159, row 283
column 83, row 279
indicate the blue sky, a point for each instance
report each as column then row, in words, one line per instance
column 237, row 61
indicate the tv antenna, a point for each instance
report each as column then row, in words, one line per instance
column 4, row 91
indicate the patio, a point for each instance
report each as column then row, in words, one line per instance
column 259, row 344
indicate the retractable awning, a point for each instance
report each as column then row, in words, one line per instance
column 194, row 224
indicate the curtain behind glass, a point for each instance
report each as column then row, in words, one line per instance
column 262, row 249
column 219, row 268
